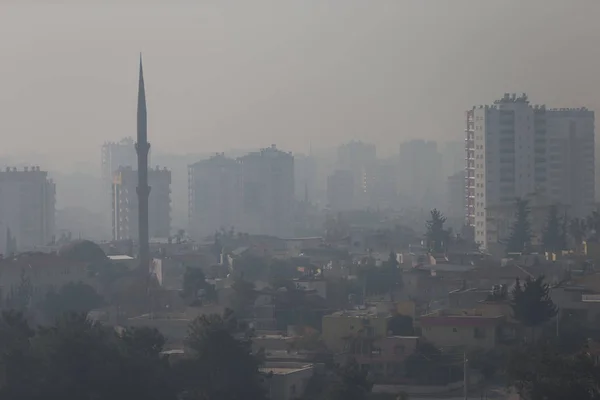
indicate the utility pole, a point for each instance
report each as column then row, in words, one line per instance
column 465, row 376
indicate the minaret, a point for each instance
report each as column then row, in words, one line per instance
column 143, row 190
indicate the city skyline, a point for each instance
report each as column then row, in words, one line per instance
column 222, row 94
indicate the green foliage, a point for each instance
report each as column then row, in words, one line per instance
column 542, row 372
column 195, row 287
column 72, row 297
column 221, row 367
column 554, row 235
column 243, row 296
column 578, row 229
column 401, row 325
column 437, row 236
column 520, row 235
column 251, row 268
column 351, row 384
column 381, row 280
column 593, row 223
column 19, row 298
column 77, row 359
column 531, row 303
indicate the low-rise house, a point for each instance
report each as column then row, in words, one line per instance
column 384, row 358
column 287, row 380
column 341, row 327
column 577, row 303
column 463, row 328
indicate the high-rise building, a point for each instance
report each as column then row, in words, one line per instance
column 361, row 160
column 340, row 190
column 215, row 195
column 27, row 209
column 305, row 177
column 455, row 198
column 516, row 150
column 420, row 174
column 570, row 159
column 267, row 192
column 126, row 209
column 115, row 155
column 453, row 157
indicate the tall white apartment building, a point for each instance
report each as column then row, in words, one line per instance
column 27, row 209
column 516, row 150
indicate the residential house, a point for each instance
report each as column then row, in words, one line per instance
column 462, row 328
column 287, row 380
column 342, row 327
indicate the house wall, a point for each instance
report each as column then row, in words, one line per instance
column 337, row 328
column 449, row 335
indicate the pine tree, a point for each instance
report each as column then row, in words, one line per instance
column 436, row 235
column 531, row 303
column 520, row 236
column 552, row 236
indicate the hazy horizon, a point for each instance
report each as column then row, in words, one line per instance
column 223, row 75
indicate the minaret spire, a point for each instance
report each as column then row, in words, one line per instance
column 143, row 190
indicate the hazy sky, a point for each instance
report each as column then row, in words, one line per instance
column 249, row 73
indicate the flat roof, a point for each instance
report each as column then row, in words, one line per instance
column 122, row 257
column 285, row 370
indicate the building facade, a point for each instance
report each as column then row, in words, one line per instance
column 361, row 160
column 340, row 190
column 420, row 174
column 570, row 159
column 125, row 203
column 455, row 198
column 27, row 209
column 267, row 180
column 215, row 195
column 515, row 150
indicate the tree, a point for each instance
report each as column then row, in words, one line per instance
column 578, row 229
column 401, row 325
column 520, row 236
column 593, row 223
column 243, row 295
column 552, row 237
column 395, row 280
column 542, row 372
column 72, row 297
column 79, row 359
column 531, row 303
column 436, row 235
column 195, row 287
column 351, row 383
column 220, row 366
column 19, row 298
column 17, row 367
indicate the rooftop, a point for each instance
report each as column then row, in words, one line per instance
column 459, row 318
column 285, row 368
column 367, row 313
